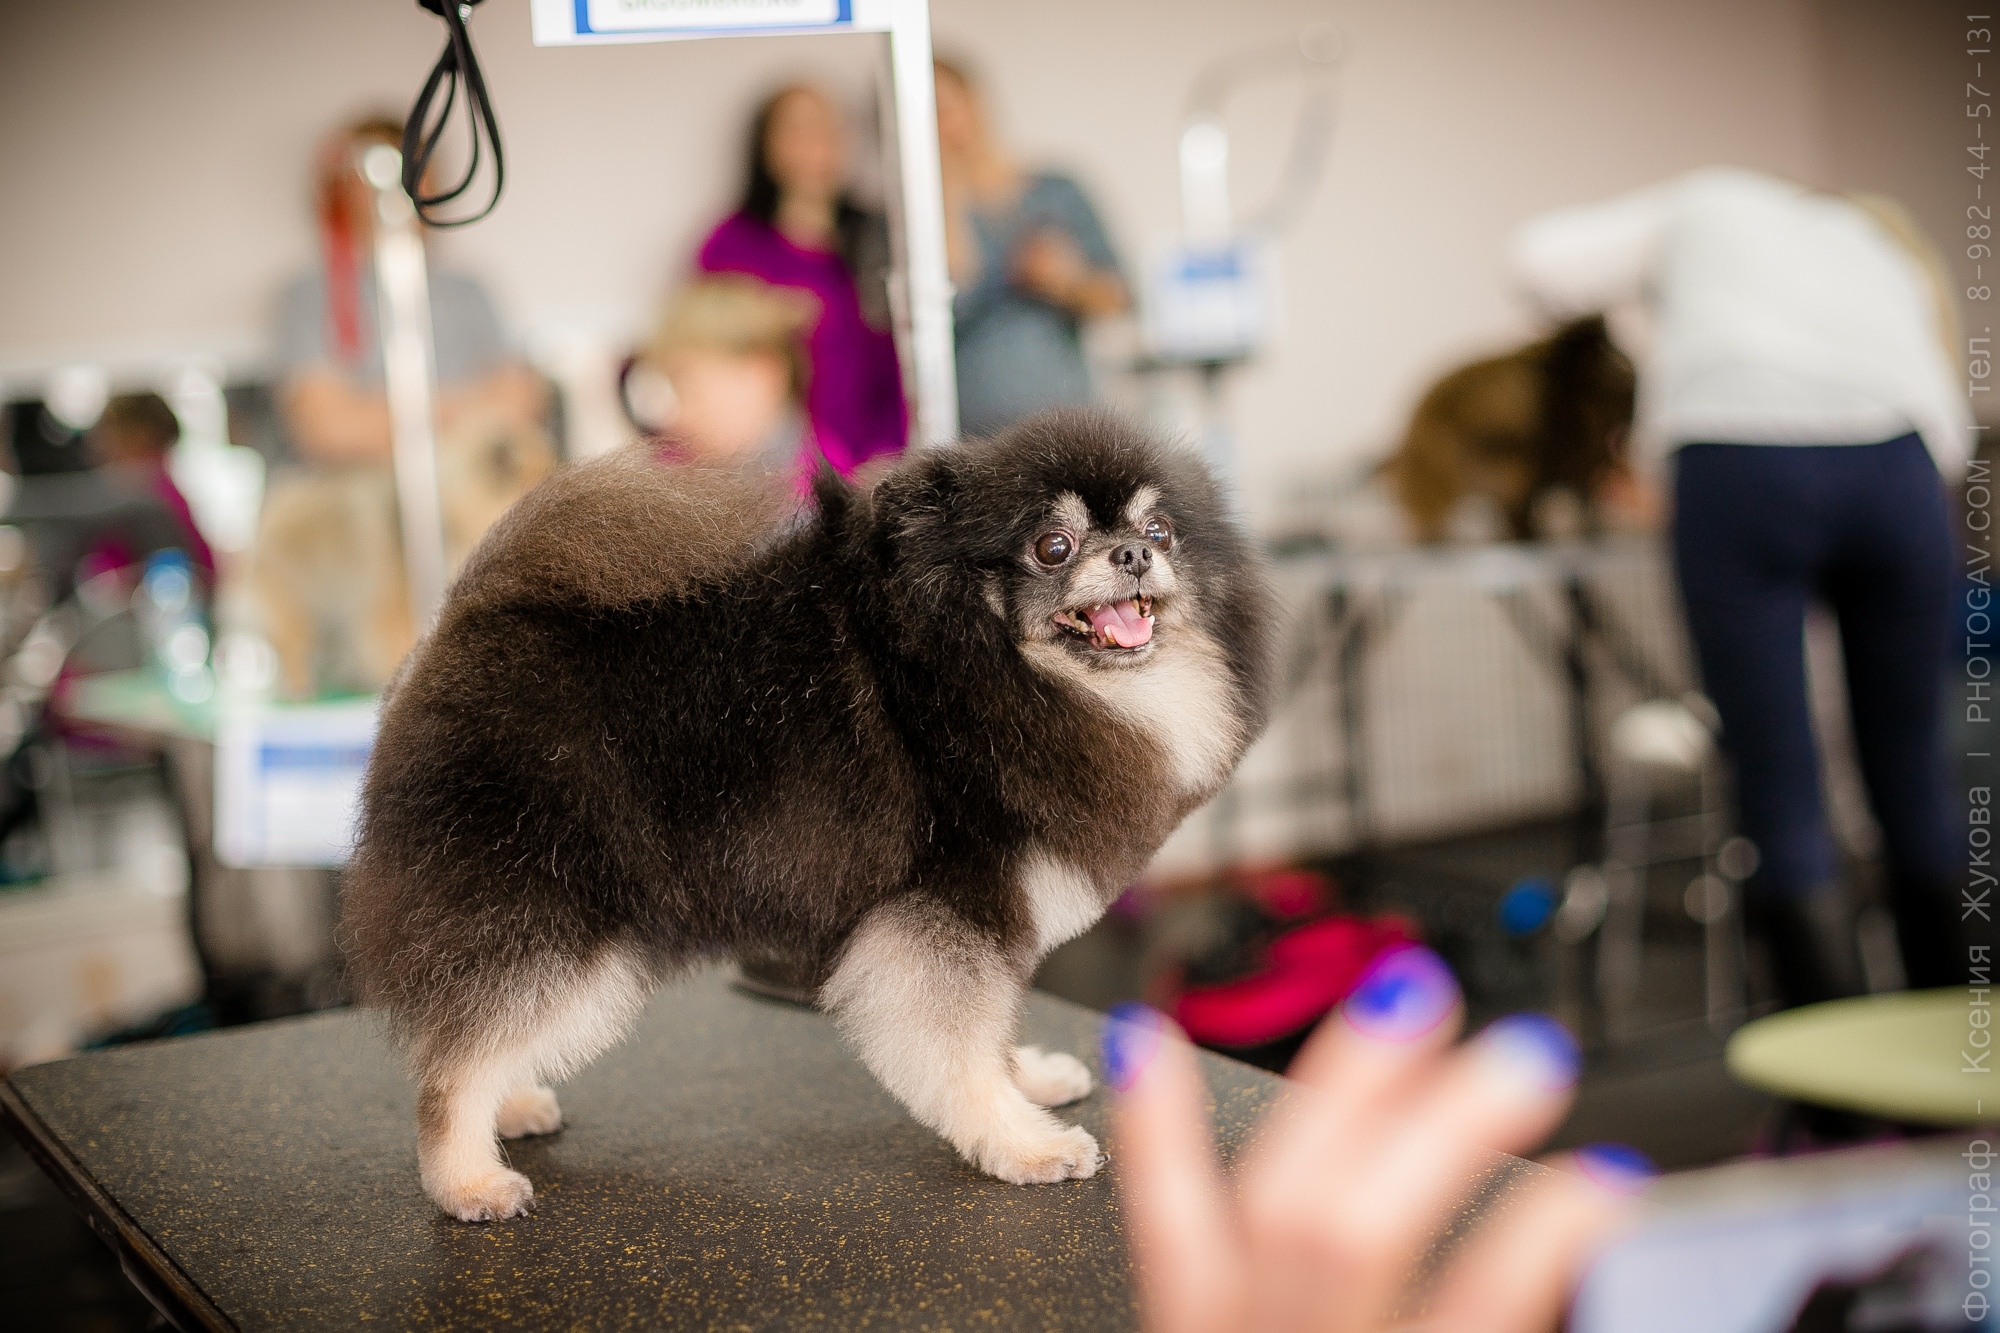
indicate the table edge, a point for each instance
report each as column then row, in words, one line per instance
column 146, row 1266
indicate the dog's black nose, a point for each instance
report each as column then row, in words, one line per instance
column 1133, row 557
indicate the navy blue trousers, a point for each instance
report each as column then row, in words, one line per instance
column 1759, row 532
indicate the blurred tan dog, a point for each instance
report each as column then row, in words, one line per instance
column 328, row 568
column 1540, row 431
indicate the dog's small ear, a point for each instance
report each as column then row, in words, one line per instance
column 914, row 501
column 923, row 577
column 831, row 494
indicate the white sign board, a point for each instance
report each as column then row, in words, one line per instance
column 288, row 782
column 1209, row 302
column 574, row 22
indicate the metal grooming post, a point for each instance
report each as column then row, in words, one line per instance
column 403, row 304
column 907, row 23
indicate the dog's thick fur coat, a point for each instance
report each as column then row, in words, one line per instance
column 661, row 721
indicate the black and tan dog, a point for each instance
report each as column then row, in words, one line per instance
column 1548, row 419
column 919, row 737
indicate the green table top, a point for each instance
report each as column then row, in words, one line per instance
column 730, row 1165
column 138, row 701
column 1917, row 1056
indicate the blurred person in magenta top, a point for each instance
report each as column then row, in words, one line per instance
column 797, row 227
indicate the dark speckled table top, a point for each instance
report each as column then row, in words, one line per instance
column 730, row 1166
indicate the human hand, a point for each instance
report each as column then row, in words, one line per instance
column 331, row 422
column 1049, row 264
column 1630, row 502
column 514, row 394
column 1385, row 1137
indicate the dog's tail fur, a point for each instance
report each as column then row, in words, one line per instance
column 572, row 540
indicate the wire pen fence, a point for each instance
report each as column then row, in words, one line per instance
column 1435, row 692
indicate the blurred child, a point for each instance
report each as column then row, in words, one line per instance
column 723, row 380
column 130, row 443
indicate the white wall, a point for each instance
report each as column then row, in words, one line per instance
column 164, row 152
column 155, row 159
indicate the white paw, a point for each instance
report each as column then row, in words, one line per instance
column 529, row 1111
column 1059, row 1153
column 1050, row 1078
column 493, row 1196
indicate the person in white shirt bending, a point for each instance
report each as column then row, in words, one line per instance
column 1800, row 374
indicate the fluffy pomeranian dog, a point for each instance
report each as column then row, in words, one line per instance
column 915, row 739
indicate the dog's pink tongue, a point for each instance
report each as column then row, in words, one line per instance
column 1121, row 623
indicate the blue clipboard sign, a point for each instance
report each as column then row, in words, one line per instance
column 288, row 781
column 570, row 22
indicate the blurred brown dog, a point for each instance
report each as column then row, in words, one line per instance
column 328, row 568
column 1522, row 429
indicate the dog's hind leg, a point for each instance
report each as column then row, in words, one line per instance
column 931, row 1007
column 490, row 1085
column 1050, row 1078
column 458, row 1103
column 529, row 1109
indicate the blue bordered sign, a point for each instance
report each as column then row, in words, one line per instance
column 288, row 781
column 1210, row 302
column 566, row 22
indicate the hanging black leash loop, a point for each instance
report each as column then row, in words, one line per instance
column 425, row 127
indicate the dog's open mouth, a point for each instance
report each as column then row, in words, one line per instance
column 1111, row 625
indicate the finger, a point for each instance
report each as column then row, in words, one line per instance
column 1502, row 1092
column 1517, row 1272
column 1177, row 1219
column 1354, row 1070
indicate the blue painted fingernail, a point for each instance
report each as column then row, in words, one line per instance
column 1615, row 1167
column 1403, row 995
column 1535, row 1047
column 1130, row 1040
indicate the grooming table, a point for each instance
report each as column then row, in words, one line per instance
column 1548, row 592
column 730, row 1166
column 229, row 908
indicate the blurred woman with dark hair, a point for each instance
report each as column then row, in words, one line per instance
column 798, row 227
column 131, row 443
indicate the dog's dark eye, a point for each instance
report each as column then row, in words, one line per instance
column 1053, row 548
column 1159, row 532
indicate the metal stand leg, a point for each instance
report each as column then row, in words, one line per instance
column 1621, row 943
column 1351, row 624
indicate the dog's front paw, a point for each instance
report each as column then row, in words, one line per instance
column 494, row 1196
column 1050, row 1078
column 1059, row 1153
column 529, row 1111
